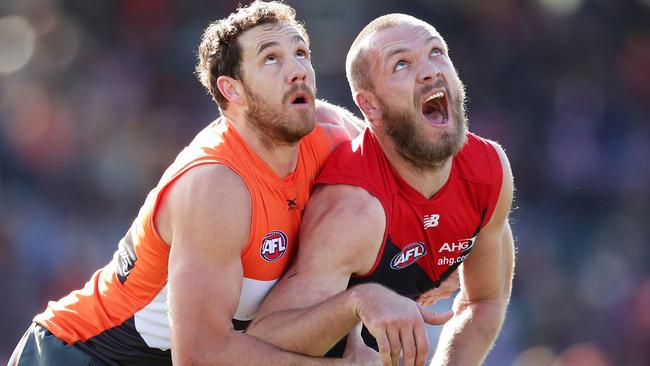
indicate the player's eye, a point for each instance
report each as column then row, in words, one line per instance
column 436, row 52
column 270, row 60
column 302, row 54
column 401, row 65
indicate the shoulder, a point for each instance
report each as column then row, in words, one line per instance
column 209, row 181
column 330, row 114
column 480, row 159
column 506, row 191
column 362, row 164
column 507, row 185
column 207, row 195
column 334, row 133
column 502, row 161
column 503, row 158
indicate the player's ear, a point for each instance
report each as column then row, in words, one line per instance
column 368, row 104
column 231, row 89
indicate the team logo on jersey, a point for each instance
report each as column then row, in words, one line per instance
column 431, row 220
column 125, row 257
column 292, row 204
column 409, row 255
column 274, row 245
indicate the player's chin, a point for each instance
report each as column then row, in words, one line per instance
column 305, row 118
column 302, row 124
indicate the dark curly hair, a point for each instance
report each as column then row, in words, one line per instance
column 220, row 51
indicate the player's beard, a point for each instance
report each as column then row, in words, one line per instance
column 274, row 124
column 402, row 125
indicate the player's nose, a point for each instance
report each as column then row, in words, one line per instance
column 297, row 71
column 429, row 72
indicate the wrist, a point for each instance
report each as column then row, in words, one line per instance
column 357, row 298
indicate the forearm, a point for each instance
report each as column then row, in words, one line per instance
column 312, row 330
column 236, row 348
column 468, row 337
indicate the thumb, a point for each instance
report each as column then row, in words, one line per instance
column 433, row 318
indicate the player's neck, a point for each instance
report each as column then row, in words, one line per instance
column 281, row 158
column 427, row 181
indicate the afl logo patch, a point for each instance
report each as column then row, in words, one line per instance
column 408, row 255
column 274, row 245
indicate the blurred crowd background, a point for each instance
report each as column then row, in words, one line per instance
column 97, row 97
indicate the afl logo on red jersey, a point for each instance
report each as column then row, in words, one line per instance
column 274, row 245
column 408, row 255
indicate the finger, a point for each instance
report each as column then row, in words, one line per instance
column 434, row 318
column 395, row 344
column 421, row 344
column 439, row 296
column 425, row 301
column 384, row 347
column 406, row 336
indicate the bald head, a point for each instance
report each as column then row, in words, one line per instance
column 358, row 62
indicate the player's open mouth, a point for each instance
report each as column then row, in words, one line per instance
column 300, row 99
column 434, row 108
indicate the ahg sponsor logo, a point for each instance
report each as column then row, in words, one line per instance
column 457, row 246
column 408, row 255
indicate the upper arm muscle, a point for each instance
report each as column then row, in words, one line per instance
column 209, row 217
column 487, row 271
column 340, row 235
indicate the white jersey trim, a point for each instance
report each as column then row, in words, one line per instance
column 253, row 293
column 152, row 322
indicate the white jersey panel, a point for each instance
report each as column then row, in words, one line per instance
column 253, row 293
column 152, row 322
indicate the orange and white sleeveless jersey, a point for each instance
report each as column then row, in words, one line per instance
column 120, row 316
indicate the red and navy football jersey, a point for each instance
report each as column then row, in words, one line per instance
column 425, row 239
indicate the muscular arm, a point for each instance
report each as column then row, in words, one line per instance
column 330, row 251
column 206, row 217
column 341, row 234
column 486, row 284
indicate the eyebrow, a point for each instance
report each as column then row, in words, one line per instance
column 265, row 45
column 396, row 51
column 404, row 49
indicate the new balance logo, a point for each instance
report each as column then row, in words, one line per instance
column 431, row 220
